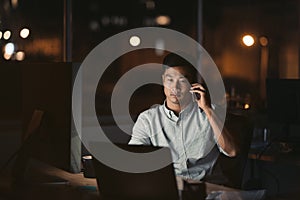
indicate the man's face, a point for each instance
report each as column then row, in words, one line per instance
column 176, row 86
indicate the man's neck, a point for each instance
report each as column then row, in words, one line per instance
column 176, row 108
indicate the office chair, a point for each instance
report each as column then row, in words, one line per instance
column 229, row 171
column 29, row 139
column 34, row 124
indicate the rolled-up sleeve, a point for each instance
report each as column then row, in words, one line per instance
column 140, row 135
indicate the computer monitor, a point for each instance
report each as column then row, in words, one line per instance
column 117, row 184
column 283, row 102
column 48, row 87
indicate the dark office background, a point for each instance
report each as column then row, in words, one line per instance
column 67, row 30
column 59, row 33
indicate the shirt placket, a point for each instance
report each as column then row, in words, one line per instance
column 181, row 128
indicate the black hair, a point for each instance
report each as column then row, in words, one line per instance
column 174, row 60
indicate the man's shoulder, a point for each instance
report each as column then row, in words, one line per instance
column 154, row 110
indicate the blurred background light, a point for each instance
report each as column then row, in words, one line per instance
column 6, row 56
column 149, row 21
column 94, row 25
column 263, row 41
column 248, row 40
column 6, row 35
column 150, row 4
column 246, row 106
column 163, row 20
column 24, row 33
column 20, row 55
column 134, row 41
column 9, row 48
column 14, row 3
column 105, row 20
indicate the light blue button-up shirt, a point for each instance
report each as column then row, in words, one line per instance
column 189, row 137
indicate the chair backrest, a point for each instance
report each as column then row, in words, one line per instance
column 34, row 124
column 232, row 168
column 24, row 153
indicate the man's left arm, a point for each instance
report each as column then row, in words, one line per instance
column 225, row 140
column 223, row 137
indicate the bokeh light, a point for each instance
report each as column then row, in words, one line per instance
column 20, row 55
column 163, row 20
column 9, row 48
column 134, row 41
column 24, row 33
column 248, row 40
column 6, row 35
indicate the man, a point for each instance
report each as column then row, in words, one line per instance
column 186, row 122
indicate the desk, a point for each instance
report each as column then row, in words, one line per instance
column 272, row 153
column 68, row 186
column 274, row 170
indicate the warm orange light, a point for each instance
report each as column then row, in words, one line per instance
column 263, row 41
column 7, row 56
column 248, row 40
column 14, row 3
column 246, row 106
column 20, row 55
column 163, row 20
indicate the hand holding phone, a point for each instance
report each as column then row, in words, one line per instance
column 197, row 95
column 196, row 91
column 200, row 95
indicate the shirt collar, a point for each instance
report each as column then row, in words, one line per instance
column 172, row 115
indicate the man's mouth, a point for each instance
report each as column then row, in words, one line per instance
column 175, row 95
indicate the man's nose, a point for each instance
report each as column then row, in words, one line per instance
column 177, row 85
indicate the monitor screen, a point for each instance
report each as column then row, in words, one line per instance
column 283, row 101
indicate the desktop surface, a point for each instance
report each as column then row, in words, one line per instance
column 53, row 183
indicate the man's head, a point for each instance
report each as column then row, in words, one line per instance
column 178, row 75
column 174, row 60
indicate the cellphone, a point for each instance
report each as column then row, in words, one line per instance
column 196, row 95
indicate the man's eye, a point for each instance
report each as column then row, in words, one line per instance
column 183, row 81
column 169, row 79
